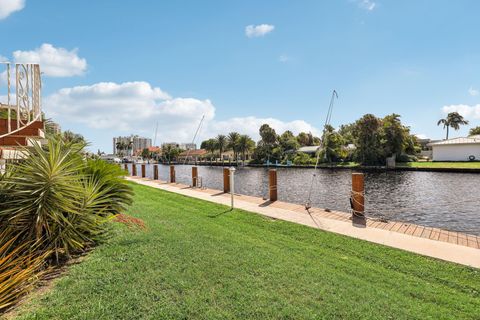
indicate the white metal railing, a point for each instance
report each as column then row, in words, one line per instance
column 28, row 87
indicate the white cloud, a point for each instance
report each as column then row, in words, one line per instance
column 366, row 4
column 129, row 106
column 7, row 7
column 260, row 30
column 468, row 112
column 54, row 62
column 103, row 110
column 284, row 58
column 3, row 77
column 251, row 125
column 421, row 136
column 473, row 92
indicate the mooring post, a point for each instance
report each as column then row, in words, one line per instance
column 155, row 172
column 172, row 174
column 194, row 177
column 272, row 184
column 226, row 180
column 143, row 171
column 358, row 194
column 232, row 185
column 134, row 169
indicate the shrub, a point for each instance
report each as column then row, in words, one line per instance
column 302, row 159
column 406, row 158
column 59, row 201
column 20, row 267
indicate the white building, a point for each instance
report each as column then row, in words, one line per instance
column 188, row 146
column 133, row 142
column 457, row 149
column 183, row 146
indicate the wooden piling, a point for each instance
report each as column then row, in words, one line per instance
column 194, row 177
column 358, row 194
column 272, row 184
column 134, row 169
column 144, row 173
column 226, row 180
column 172, row 174
column 155, row 172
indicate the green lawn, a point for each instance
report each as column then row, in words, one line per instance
column 199, row 261
column 449, row 165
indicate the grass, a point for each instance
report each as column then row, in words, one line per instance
column 200, row 261
column 339, row 164
column 443, row 165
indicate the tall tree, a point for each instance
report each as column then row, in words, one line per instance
column 210, row 145
column 245, row 145
column 302, row 139
column 367, row 140
column 346, row 131
column 69, row 136
column 129, row 147
column 474, row 131
column 222, row 143
column 332, row 146
column 453, row 120
column 233, row 138
column 145, row 153
column 394, row 135
column 268, row 135
column 288, row 142
column 120, row 146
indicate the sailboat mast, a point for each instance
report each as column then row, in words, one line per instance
column 194, row 137
column 155, row 135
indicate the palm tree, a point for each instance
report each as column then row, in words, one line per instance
column 233, row 142
column 454, row 120
column 221, row 143
column 120, row 145
column 210, row 145
column 245, row 144
column 69, row 136
column 129, row 146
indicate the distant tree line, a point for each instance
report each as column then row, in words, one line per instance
column 369, row 140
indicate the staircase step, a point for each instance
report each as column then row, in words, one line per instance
column 13, row 123
column 14, row 141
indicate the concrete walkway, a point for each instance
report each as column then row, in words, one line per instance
column 459, row 248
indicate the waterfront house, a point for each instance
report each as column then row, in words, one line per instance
column 457, row 149
column 309, row 149
column 192, row 155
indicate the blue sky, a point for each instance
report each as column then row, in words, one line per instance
column 118, row 67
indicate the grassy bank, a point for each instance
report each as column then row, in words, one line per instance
column 441, row 165
column 199, row 261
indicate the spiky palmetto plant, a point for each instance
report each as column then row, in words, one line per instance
column 43, row 193
column 112, row 193
column 54, row 194
column 53, row 202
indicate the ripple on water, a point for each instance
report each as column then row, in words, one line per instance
column 437, row 199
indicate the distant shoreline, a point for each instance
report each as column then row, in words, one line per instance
column 399, row 167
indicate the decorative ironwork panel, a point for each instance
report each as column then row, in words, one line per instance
column 28, row 88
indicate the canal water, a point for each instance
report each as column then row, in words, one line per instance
column 443, row 200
